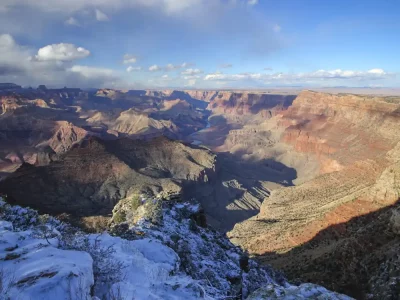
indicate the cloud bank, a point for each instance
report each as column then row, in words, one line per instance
column 53, row 65
column 316, row 77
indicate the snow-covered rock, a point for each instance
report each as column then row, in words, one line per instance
column 33, row 269
column 303, row 291
column 42, row 258
column 206, row 255
column 151, row 271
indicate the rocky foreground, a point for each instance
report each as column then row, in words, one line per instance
column 171, row 258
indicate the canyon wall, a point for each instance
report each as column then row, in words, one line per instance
column 248, row 103
column 355, row 141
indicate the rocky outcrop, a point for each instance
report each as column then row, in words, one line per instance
column 10, row 103
column 206, row 96
column 66, row 137
column 92, row 177
column 304, row 291
column 247, row 103
column 134, row 122
column 341, row 129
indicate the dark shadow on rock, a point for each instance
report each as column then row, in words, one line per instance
column 216, row 134
column 185, row 96
column 271, row 101
column 238, row 181
column 358, row 258
column 3, row 175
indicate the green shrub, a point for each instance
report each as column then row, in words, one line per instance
column 135, row 202
column 153, row 211
column 119, row 217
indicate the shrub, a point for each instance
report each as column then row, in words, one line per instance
column 95, row 223
column 153, row 211
column 22, row 218
column 135, row 202
column 106, row 269
column 46, row 229
column 119, row 217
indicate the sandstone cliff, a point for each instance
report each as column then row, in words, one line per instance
column 92, row 177
column 355, row 140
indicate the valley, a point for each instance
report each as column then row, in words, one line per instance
column 290, row 178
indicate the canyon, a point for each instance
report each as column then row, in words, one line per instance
column 303, row 182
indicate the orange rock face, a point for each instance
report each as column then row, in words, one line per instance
column 341, row 129
column 233, row 103
column 356, row 141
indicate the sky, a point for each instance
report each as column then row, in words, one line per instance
column 204, row 44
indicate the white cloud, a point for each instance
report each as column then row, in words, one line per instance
column 192, row 72
column 17, row 65
column 377, row 71
column 167, row 6
column 13, row 58
column 232, row 77
column 6, row 41
column 129, row 59
column 100, row 16
column 72, row 22
column 172, row 67
column 343, row 74
column 61, row 52
column 191, row 77
column 165, row 76
column 311, row 77
column 154, row 68
column 169, row 67
column 133, row 69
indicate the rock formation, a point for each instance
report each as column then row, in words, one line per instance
column 355, row 140
column 92, row 177
column 291, row 172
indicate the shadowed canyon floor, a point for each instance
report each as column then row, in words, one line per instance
column 279, row 173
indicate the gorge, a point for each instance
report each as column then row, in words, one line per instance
column 301, row 182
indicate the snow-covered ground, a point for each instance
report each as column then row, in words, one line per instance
column 42, row 258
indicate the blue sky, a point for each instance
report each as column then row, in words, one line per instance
column 200, row 43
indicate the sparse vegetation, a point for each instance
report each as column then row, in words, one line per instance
column 119, row 217
column 105, row 268
column 135, row 202
column 45, row 229
column 153, row 211
column 95, row 223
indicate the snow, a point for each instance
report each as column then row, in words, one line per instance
column 149, row 266
column 40, row 270
column 39, row 259
column 33, row 269
column 304, row 291
column 207, row 256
